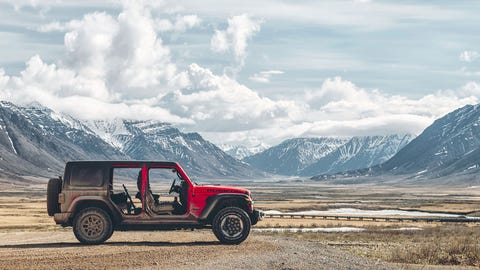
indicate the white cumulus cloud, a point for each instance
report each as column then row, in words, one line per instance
column 235, row 38
column 123, row 52
column 341, row 99
column 113, row 67
column 221, row 103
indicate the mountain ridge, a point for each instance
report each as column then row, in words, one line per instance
column 446, row 151
column 292, row 155
column 37, row 141
column 312, row 156
column 359, row 152
column 153, row 140
column 447, row 140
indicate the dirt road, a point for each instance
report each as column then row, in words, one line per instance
column 170, row 250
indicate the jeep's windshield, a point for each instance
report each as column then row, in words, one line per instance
column 181, row 178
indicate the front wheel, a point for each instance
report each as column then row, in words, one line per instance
column 231, row 225
column 92, row 226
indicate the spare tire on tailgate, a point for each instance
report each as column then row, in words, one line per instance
column 54, row 188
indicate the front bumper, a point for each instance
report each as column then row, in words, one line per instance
column 256, row 216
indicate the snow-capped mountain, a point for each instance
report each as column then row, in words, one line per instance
column 448, row 151
column 293, row 155
column 36, row 141
column 154, row 140
column 357, row 153
column 240, row 152
column 451, row 145
column 312, row 156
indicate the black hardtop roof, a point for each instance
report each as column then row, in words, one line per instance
column 117, row 162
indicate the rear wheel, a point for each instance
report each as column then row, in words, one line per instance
column 231, row 225
column 92, row 226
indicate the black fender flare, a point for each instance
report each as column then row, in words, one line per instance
column 214, row 201
column 92, row 201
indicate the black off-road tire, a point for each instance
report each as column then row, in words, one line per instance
column 110, row 235
column 54, row 187
column 231, row 225
column 92, row 226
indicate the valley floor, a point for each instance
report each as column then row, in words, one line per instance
column 172, row 250
column 29, row 237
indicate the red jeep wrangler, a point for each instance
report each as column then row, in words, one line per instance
column 94, row 199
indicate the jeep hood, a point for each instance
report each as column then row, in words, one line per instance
column 215, row 189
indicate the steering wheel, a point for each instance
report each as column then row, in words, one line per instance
column 172, row 187
column 131, row 207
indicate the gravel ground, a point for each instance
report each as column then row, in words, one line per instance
column 171, row 250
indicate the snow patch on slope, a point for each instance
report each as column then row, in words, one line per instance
column 240, row 152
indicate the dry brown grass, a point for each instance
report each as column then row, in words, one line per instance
column 24, row 213
column 450, row 246
column 459, row 252
column 322, row 223
column 442, row 245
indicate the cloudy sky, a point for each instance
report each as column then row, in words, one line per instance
column 245, row 72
